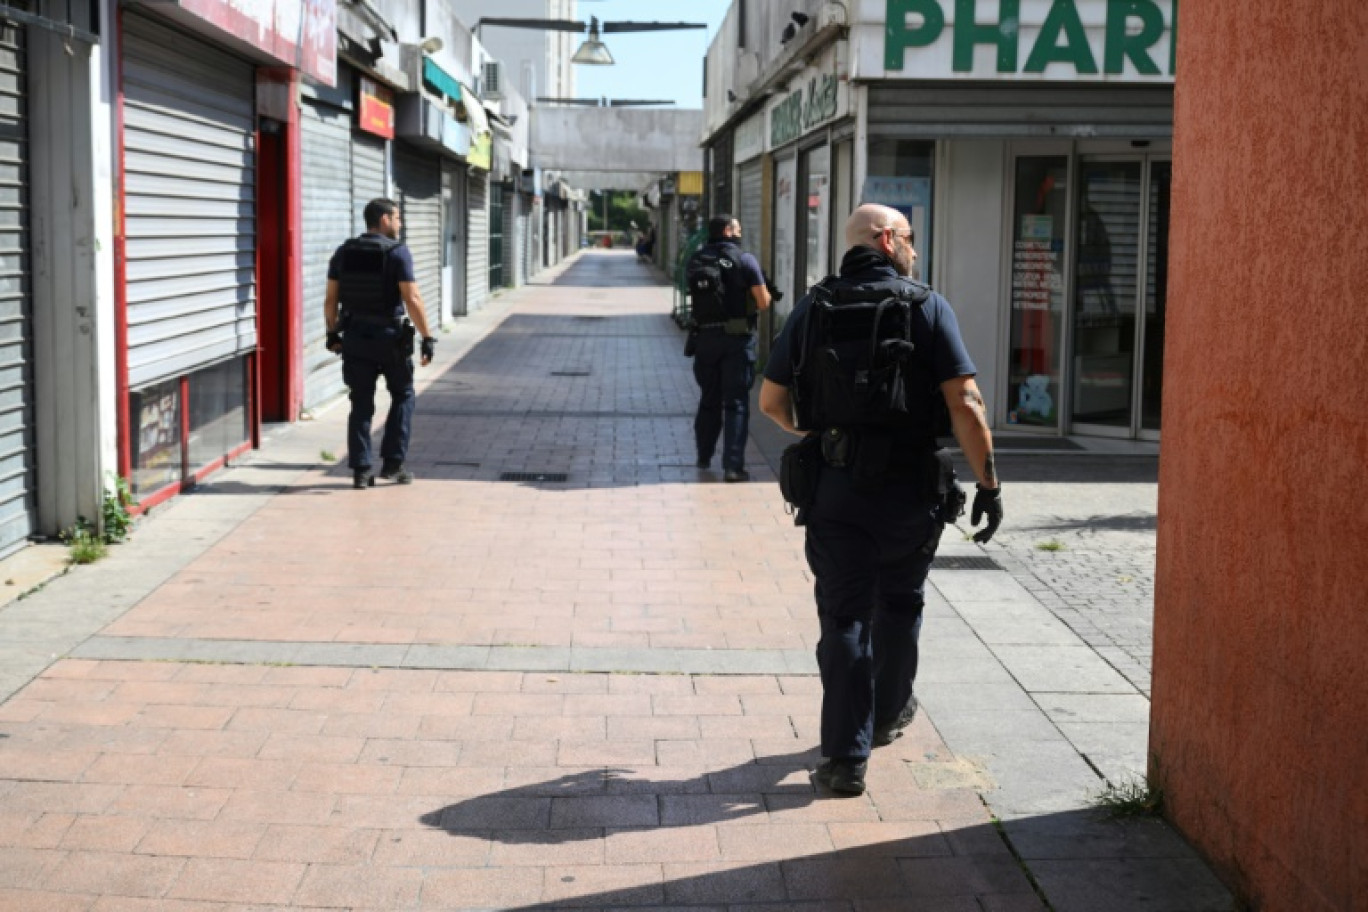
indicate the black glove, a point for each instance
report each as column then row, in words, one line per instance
column 334, row 342
column 427, row 347
column 986, row 502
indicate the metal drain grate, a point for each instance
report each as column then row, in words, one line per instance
column 570, row 373
column 461, row 465
column 966, row 563
column 534, row 476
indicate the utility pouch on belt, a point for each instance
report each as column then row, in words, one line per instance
column 798, row 471
column 407, row 334
column 837, row 448
column 691, row 344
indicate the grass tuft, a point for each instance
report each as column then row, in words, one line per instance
column 1052, row 544
column 1132, row 798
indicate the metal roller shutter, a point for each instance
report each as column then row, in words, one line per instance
column 1002, row 109
column 326, row 178
column 524, row 240
column 368, row 175
column 750, row 195
column 418, row 191
column 477, row 240
column 189, row 202
column 16, row 358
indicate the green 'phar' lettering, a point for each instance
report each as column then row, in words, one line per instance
column 898, row 37
column 1136, row 47
column 1062, row 18
column 1003, row 33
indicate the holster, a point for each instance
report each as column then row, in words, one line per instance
column 408, row 335
column 799, row 468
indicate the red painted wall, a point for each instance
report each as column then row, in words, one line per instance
column 1260, row 716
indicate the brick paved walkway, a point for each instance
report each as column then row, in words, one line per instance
column 473, row 693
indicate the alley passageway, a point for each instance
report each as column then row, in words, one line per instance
column 564, row 669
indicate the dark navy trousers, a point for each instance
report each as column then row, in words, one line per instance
column 870, row 552
column 367, row 355
column 724, row 366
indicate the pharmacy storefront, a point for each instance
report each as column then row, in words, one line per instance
column 1029, row 144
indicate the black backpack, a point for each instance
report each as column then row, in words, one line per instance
column 708, row 276
column 855, row 364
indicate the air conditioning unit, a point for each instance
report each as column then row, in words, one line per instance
column 491, row 79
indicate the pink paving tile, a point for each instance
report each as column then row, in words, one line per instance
column 20, row 900
column 206, row 718
column 466, row 728
column 371, row 725
column 430, row 849
column 360, row 886
column 347, row 779
column 901, row 839
column 196, row 743
column 736, row 684
column 201, row 838
column 724, row 882
column 606, row 753
column 232, row 881
column 772, row 842
column 279, row 807
column 581, row 728
column 233, row 773
column 480, row 888
column 116, row 873
column 542, row 848
column 105, row 834
column 317, row 845
column 671, row 844
column 411, row 752
column 631, row 884
column 44, row 765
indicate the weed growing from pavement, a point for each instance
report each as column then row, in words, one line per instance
column 1132, row 798
column 1052, row 544
column 84, row 545
column 118, row 521
column 327, row 456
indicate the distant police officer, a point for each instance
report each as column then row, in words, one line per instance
column 370, row 288
column 883, row 492
column 726, row 290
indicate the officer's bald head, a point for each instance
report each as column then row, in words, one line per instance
column 869, row 221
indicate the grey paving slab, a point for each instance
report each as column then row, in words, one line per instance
column 1061, row 669
column 1095, row 707
column 953, row 697
column 356, row 654
column 960, row 586
column 1119, row 749
column 448, row 657
column 1091, row 834
column 999, row 731
column 1132, row 885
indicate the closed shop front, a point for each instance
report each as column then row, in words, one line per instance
column 16, row 315
column 190, row 226
column 369, row 174
column 1034, row 166
column 749, row 208
column 328, row 217
column 418, row 191
column 496, row 235
column 477, row 239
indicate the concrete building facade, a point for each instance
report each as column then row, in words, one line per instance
column 1031, row 154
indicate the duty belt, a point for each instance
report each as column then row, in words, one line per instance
column 739, row 326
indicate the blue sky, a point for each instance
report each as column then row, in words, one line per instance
column 651, row 65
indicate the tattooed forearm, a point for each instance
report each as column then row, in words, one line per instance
column 990, row 470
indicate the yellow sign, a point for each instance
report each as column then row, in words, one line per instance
column 690, row 183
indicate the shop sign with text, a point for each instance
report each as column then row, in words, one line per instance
column 804, row 109
column 376, row 106
column 1054, row 40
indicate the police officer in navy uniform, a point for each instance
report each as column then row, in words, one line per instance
column 870, row 541
column 724, row 352
column 371, row 287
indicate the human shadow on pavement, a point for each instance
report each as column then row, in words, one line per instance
column 892, row 858
column 582, row 805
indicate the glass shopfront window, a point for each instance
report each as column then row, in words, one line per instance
column 1039, row 225
column 900, row 175
column 218, row 412
column 155, row 433
column 816, row 214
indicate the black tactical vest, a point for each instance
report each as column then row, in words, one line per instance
column 862, row 361
column 365, row 278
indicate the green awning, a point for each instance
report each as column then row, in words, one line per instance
column 439, row 80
